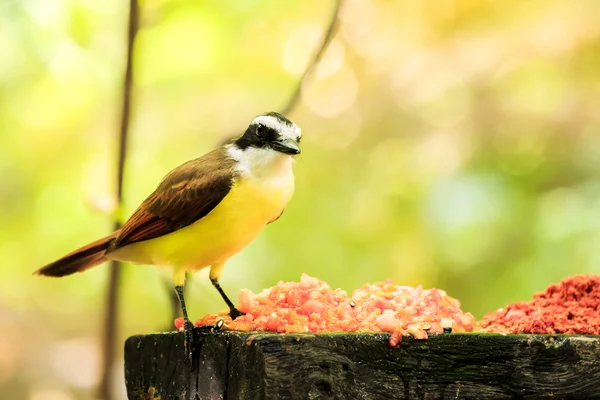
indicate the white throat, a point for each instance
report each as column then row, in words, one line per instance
column 260, row 163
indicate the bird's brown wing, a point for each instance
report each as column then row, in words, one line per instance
column 186, row 194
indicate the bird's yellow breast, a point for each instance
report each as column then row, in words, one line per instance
column 252, row 203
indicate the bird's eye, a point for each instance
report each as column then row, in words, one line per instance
column 260, row 129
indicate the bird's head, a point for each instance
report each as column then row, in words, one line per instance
column 271, row 132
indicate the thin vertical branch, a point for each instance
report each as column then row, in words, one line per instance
column 112, row 299
column 320, row 51
column 333, row 22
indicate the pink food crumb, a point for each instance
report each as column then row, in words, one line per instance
column 311, row 305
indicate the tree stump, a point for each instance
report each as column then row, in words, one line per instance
column 240, row 365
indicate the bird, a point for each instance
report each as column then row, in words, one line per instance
column 204, row 211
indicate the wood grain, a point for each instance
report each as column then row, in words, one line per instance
column 233, row 365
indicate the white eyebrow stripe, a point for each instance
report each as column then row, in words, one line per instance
column 291, row 131
column 270, row 121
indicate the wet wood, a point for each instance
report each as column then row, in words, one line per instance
column 362, row 366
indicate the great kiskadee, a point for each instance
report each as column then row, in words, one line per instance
column 204, row 211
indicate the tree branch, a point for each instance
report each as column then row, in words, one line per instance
column 295, row 97
column 316, row 58
column 111, row 316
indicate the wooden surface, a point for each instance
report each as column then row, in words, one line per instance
column 363, row 366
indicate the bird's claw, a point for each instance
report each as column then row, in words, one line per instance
column 234, row 313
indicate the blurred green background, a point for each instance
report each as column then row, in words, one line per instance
column 449, row 143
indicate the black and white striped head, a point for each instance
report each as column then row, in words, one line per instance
column 271, row 131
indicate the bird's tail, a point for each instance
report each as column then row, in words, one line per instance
column 79, row 260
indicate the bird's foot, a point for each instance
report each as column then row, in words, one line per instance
column 234, row 313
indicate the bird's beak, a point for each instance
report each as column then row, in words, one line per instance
column 286, row 146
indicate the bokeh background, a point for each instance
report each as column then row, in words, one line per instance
column 451, row 144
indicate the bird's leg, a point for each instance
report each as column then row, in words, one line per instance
column 233, row 311
column 215, row 273
column 187, row 324
column 175, row 303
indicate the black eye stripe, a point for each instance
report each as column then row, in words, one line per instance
column 260, row 135
column 271, row 135
column 266, row 133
